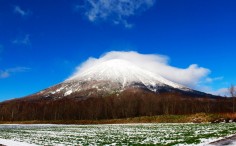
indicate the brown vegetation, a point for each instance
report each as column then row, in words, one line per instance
column 126, row 105
column 192, row 118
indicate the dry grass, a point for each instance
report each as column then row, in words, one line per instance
column 194, row 118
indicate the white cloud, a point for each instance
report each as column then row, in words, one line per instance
column 192, row 76
column 23, row 40
column 115, row 10
column 20, row 11
column 7, row 73
column 221, row 92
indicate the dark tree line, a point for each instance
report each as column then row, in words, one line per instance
column 128, row 104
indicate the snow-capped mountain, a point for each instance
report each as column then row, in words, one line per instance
column 111, row 77
column 110, row 90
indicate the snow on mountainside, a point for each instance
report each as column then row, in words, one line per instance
column 124, row 72
column 113, row 76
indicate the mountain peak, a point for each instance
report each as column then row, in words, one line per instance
column 124, row 72
column 109, row 77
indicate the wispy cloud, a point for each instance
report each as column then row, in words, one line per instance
column 210, row 80
column 116, row 11
column 8, row 72
column 20, row 11
column 25, row 40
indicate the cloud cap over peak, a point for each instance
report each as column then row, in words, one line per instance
column 191, row 76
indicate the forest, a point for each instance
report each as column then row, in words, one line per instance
column 125, row 105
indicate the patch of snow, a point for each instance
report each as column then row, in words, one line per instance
column 8, row 142
column 58, row 90
column 68, row 92
column 232, row 143
column 53, row 92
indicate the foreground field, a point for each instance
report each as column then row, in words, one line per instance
column 118, row 134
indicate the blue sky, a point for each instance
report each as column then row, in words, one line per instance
column 43, row 41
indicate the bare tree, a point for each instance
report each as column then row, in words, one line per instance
column 232, row 91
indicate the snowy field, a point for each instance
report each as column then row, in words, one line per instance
column 118, row 134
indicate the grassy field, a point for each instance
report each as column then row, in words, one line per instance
column 117, row 134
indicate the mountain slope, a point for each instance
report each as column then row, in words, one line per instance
column 111, row 77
